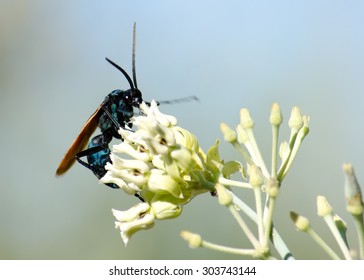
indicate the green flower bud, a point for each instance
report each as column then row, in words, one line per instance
column 186, row 139
column 323, row 206
column 273, row 188
column 224, row 196
column 246, row 121
column 340, row 224
column 229, row 134
column 276, row 117
column 301, row 222
column 194, row 240
column 284, row 151
column 162, row 183
column 305, row 128
column 163, row 209
column 256, row 178
column 352, row 191
column 295, row 122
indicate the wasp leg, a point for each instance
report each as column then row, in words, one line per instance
column 98, row 154
column 87, row 153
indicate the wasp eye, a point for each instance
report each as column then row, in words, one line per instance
column 127, row 97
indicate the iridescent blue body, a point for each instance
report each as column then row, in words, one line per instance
column 114, row 112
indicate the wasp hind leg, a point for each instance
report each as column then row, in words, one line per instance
column 98, row 154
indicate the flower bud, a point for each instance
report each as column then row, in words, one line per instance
column 163, row 209
column 162, row 183
column 284, row 150
column 224, row 196
column 275, row 117
column 186, row 139
column 256, row 178
column 323, row 206
column 229, row 134
column 301, row 222
column 352, row 191
column 273, row 188
column 295, row 122
column 245, row 119
column 194, row 240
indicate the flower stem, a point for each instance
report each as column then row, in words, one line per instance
column 277, row 240
column 229, row 182
column 358, row 219
column 242, row 152
column 323, row 244
column 275, row 132
column 269, row 220
column 225, row 249
column 243, row 226
column 259, row 207
column 331, row 224
column 255, row 152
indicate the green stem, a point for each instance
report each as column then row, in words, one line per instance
column 259, row 208
column 269, row 220
column 243, row 226
column 244, row 154
column 225, row 249
column 323, row 244
column 277, row 240
column 255, row 152
column 292, row 156
column 331, row 224
column 204, row 183
column 282, row 171
column 275, row 132
column 358, row 219
column 229, row 182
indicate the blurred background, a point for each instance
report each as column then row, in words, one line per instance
column 231, row 54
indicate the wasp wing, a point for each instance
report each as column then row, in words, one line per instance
column 80, row 142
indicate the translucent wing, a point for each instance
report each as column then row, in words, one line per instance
column 80, row 142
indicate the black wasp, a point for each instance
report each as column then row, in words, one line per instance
column 114, row 112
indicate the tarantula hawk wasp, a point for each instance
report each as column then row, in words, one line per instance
column 114, row 112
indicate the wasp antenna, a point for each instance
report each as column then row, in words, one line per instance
column 133, row 62
column 180, row 100
column 122, row 71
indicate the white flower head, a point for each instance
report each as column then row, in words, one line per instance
column 158, row 162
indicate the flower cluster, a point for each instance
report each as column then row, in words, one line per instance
column 255, row 176
column 163, row 164
column 160, row 162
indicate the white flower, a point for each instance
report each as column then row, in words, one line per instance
column 135, row 219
